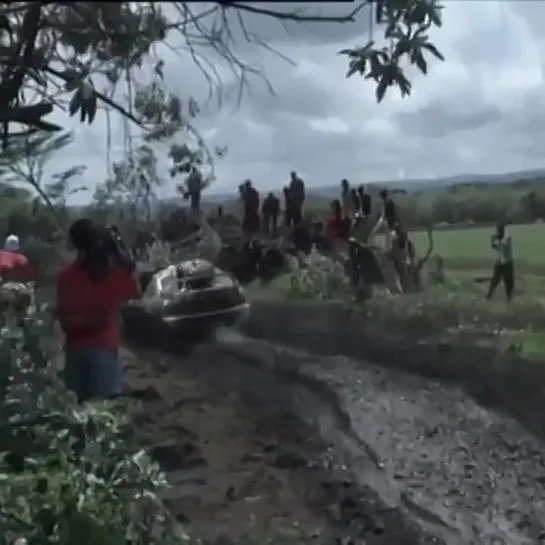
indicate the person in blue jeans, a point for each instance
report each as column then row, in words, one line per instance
column 90, row 293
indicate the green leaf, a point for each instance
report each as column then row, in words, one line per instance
column 158, row 69
column 381, row 88
column 434, row 51
column 75, row 103
column 435, row 16
column 91, row 106
column 356, row 66
column 72, row 84
column 419, row 60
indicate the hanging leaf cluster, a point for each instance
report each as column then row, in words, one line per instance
column 83, row 101
column 406, row 24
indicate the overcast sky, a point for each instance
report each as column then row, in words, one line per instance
column 480, row 111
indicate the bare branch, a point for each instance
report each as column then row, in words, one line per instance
column 348, row 18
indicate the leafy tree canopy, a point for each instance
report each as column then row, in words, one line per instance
column 54, row 50
column 59, row 55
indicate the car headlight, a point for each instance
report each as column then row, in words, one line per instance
column 237, row 286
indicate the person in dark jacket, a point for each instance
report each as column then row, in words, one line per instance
column 354, row 196
column 346, row 199
column 297, row 194
column 366, row 204
column 250, row 202
column 288, row 207
column 269, row 213
column 388, row 219
column 194, row 186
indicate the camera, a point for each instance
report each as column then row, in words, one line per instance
column 116, row 247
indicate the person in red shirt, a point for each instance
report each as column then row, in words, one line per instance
column 15, row 267
column 337, row 226
column 90, row 293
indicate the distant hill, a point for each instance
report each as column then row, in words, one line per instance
column 431, row 184
column 411, row 186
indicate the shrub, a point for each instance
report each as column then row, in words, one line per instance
column 318, row 276
column 69, row 473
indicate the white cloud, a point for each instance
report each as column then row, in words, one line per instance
column 482, row 110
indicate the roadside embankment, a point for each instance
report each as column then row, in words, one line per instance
column 495, row 378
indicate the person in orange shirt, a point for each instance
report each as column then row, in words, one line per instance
column 90, row 293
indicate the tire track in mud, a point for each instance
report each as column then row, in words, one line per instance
column 352, row 513
column 465, row 473
column 340, row 430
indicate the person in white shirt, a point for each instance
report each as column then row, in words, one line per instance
column 503, row 269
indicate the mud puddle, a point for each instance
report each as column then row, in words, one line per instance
column 244, row 465
column 463, row 473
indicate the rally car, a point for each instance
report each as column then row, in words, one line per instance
column 189, row 299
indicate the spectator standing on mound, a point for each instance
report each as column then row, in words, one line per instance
column 355, row 201
column 503, row 269
column 90, row 293
column 338, row 225
column 269, row 212
column 297, row 195
column 250, row 214
column 366, row 203
column 388, row 219
column 194, row 189
column 346, row 199
column 288, row 207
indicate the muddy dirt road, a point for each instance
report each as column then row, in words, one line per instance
column 412, row 453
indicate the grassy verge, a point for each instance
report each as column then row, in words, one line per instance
column 455, row 312
column 493, row 349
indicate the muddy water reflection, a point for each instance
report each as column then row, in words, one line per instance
column 468, row 474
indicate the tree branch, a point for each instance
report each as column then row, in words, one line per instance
column 349, row 18
column 101, row 96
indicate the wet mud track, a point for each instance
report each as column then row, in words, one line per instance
column 244, row 466
column 367, row 455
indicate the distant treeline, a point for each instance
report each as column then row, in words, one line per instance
column 487, row 204
column 522, row 201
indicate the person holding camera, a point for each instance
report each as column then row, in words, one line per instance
column 90, row 294
column 503, row 269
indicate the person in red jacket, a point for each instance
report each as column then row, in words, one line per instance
column 337, row 226
column 90, row 293
column 15, row 267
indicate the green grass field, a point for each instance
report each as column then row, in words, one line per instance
column 470, row 248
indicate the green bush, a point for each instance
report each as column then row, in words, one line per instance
column 318, row 277
column 69, row 473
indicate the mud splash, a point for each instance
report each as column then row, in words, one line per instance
column 460, row 472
